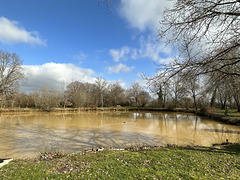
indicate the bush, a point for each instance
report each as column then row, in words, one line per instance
column 208, row 110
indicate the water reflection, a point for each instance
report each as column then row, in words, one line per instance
column 25, row 135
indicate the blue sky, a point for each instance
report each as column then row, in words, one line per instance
column 61, row 41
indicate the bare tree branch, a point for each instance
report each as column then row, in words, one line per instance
column 10, row 72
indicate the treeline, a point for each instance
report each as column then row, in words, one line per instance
column 197, row 93
column 78, row 94
column 170, row 88
column 206, row 68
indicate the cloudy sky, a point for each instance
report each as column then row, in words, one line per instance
column 61, row 41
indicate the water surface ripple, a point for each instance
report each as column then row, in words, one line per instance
column 25, row 135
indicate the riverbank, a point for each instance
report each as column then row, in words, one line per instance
column 142, row 163
column 232, row 117
column 32, row 110
column 228, row 119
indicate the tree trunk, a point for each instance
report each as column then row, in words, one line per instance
column 194, row 101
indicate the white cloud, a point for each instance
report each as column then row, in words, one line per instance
column 53, row 75
column 144, row 14
column 120, row 68
column 152, row 49
column 118, row 54
column 148, row 48
column 121, row 82
column 11, row 32
column 164, row 60
column 141, row 82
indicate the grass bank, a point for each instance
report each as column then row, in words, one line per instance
column 156, row 163
column 232, row 117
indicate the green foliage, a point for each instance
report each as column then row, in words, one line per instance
column 160, row 163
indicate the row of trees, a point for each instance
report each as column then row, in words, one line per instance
column 180, row 90
column 206, row 71
column 196, row 93
column 78, row 94
column 207, row 36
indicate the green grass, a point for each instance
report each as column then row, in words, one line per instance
column 231, row 112
column 159, row 163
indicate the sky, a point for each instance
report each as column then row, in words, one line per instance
column 61, row 41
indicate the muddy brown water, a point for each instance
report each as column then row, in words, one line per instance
column 25, row 135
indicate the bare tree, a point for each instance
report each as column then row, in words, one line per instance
column 134, row 92
column 116, row 94
column 160, row 89
column 223, row 94
column 101, row 87
column 235, row 91
column 76, row 93
column 210, row 30
column 207, row 36
column 193, row 88
column 23, row 100
column 143, row 98
column 11, row 72
column 46, row 98
column 177, row 90
column 90, row 90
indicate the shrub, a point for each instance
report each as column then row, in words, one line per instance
column 208, row 110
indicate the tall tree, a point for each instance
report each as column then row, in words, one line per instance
column 210, row 29
column 235, row 91
column 101, row 87
column 46, row 98
column 134, row 92
column 223, row 94
column 116, row 94
column 76, row 93
column 193, row 88
column 143, row 98
column 160, row 89
column 11, row 72
column 177, row 90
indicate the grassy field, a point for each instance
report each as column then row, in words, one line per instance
column 231, row 112
column 157, row 163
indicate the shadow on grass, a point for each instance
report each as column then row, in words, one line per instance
column 233, row 148
column 229, row 149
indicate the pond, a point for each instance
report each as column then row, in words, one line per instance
column 25, row 135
